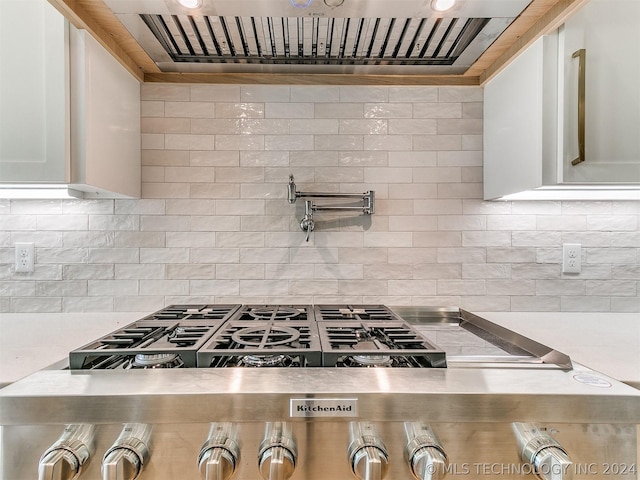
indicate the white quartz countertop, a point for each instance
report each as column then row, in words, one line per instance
column 606, row 342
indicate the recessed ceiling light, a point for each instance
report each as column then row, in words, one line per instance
column 442, row 5
column 190, row 3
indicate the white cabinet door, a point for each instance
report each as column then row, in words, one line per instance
column 513, row 125
column 34, row 130
column 609, row 31
column 105, row 121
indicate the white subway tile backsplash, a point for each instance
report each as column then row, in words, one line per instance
column 239, row 110
column 338, row 142
column 164, row 287
column 389, row 143
column 239, row 142
column 26, row 207
column 177, row 141
column 201, row 271
column 208, row 158
column 165, row 92
column 535, row 303
column 363, row 287
column 214, row 287
column 214, row 93
column 112, row 287
column 413, row 94
column 618, row 288
column 339, row 110
column 509, row 287
column 363, row 94
column 437, row 110
column 113, row 255
column 80, row 239
column 288, row 142
column 628, row 223
column 288, row 110
column 560, row 287
column 314, row 93
column 93, row 271
column 139, row 271
column 265, row 93
column 614, row 256
column 214, row 224
column 189, row 109
column 240, row 271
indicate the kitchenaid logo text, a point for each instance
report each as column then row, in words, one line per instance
column 323, row 407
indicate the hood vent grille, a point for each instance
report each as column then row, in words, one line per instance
column 313, row 41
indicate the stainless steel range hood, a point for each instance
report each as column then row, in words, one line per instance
column 312, row 36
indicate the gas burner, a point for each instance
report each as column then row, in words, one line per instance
column 266, row 361
column 372, row 360
column 268, row 336
column 274, row 313
column 156, row 360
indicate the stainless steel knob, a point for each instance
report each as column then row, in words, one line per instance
column 425, row 454
column 367, row 453
column 537, row 447
column 220, row 453
column 278, row 453
column 65, row 458
column 128, row 454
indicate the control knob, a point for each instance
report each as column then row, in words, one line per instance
column 65, row 458
column 538, row 448
column 126, row 457
column 367, row 453
column 426, row 457
column 219, row 454
column 278, row 453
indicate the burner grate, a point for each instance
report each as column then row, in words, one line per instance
column 354, row 312
column 278, row 313
column 144, row 337
column 194, row 312
column 262, row 343
column 376, row 343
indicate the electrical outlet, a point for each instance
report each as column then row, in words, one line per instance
column 25, row 254
column 571, row 258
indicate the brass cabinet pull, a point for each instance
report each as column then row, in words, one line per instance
column 582, row 56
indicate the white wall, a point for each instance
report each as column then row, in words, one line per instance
column 214, row 224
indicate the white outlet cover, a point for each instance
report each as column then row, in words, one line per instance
column 571, row 258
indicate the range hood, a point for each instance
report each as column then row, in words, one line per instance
column 316, row 36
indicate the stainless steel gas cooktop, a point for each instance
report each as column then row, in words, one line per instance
column 204, row 336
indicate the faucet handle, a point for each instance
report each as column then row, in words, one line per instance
column 307, row 224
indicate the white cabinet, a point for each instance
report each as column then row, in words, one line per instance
column 519, row 123
column 531, row 111
column 69, row 112
column 34, row 125
column 608, row 33
column 105, row 121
